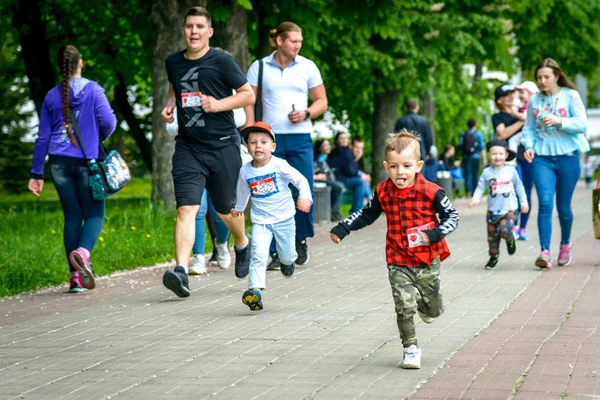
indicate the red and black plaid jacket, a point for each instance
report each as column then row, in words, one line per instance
column 423, row 204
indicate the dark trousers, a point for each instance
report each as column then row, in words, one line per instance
column 470, row 167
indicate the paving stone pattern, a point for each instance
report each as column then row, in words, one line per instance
column 329, row 332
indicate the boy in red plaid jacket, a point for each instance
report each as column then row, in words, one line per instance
column 419, row 215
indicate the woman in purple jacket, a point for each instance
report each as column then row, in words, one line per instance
column 84, row 216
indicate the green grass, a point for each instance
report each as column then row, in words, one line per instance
column 32, row 255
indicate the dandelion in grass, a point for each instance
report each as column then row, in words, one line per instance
column 133, row 228
column 148, row 235
column 53, row 231
column 101, row 239
column 112, row 229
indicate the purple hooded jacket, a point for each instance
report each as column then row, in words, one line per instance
column 96, row 120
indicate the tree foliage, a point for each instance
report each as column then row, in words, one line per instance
column 371, row 53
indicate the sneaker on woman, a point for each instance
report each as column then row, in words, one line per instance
column 543, row 261
column 523, row 234
column 223, row 255
column 80, row 260
column 197, row 265
column 76, row 286
column 564, row 255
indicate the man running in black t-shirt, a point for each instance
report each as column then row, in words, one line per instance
column 207, row 154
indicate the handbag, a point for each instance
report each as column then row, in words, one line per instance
column 106, row 176
column 596, row 209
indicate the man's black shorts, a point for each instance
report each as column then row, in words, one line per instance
column 196, row 168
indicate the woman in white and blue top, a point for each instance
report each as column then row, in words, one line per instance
column 554, row 135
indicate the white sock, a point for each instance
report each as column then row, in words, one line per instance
column 242, row 247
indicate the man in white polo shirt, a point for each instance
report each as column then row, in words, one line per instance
column 287, row 81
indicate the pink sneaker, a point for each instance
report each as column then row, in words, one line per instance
column 564, row 255
column 81, row 262
column 76, row 286
column 543, row 261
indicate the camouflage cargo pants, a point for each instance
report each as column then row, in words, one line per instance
column 415, row 289
column 499, row 226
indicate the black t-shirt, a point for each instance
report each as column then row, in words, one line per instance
column 507, row 119
column 503, row 118
column 215, row 74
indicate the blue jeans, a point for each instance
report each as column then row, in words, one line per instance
column 471, row 172
column 526, row 173
column 284, row 233
column 359, row 189
column 297, row 150
column 555, row 175
column 84, row 216
column 222, row 231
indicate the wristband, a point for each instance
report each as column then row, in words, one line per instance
column 307, row 114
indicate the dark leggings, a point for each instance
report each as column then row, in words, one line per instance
column 84, row 216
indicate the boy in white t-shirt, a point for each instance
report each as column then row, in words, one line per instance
column 265, row 179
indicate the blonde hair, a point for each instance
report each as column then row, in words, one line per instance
column 282, row 30
column 402, row 140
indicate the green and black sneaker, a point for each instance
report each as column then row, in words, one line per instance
column 511, row 246
column 492, row 262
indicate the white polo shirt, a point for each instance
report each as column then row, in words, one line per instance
column 282, row 88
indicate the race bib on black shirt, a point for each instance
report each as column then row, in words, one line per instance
column 216, row 74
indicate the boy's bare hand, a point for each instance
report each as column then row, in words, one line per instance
column 426, row 241
column 236, row 214
column 473, row 203
column 524, row 209
column 334, row 238
column 303, row 205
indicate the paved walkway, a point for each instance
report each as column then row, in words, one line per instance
column 327, row 333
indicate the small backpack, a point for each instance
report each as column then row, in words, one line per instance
column 469, row 143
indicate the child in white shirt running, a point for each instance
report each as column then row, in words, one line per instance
column 265, row 179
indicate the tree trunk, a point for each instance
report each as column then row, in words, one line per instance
column 232, row 36
column 428, row 110
column 477, row 78
column 35, row 49
column 384, row 119
column 264, row 43
column 167, row 18
column 135, row 130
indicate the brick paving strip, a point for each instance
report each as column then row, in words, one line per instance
column 329, row 332
column 546, row 345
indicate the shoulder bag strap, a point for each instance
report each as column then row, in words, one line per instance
column 75, row 126
column 258, row 108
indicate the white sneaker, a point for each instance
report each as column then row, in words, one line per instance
column 412, row 357
column 197, row 265
column 223, row 255
column 426, row 318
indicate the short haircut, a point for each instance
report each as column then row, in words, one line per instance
column 402, row 140
column 198, row 12
column 356, row 139
column 472, row 123
column 412, row 104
